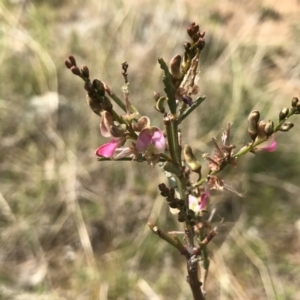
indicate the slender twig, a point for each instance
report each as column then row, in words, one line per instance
column 172, row 240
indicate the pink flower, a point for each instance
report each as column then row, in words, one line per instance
column 269, row 145
column 194, row 202
column 151, row 140
column 108, row 128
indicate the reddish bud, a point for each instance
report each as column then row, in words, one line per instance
column 85, row 71
column 72, row 60
column 75, row 70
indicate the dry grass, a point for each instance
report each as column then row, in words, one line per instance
column 73, row 228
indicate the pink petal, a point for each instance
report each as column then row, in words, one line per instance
column 269, row 145
column 108, row 149
column 143, row 123
column 158, row 140
column 105, row 123
column 151, row 140
column 193, row 203
column 204, row 200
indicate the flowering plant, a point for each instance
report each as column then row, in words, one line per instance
column 133, row 138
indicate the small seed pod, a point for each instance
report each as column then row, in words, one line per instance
column 261, row 129
column 283, row 114
column 286, row 126
column 252, row 124
column 191, row 160
column 269, row 128
column 175, row 66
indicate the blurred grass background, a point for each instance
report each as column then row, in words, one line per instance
column 74, row 228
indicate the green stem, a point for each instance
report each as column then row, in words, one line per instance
column 172, row 137
column 117, row 100
column 204, row 254
column 125, row 159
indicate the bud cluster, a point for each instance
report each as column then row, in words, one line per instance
column 95, row 97
column 196, row 35
column 177, row 204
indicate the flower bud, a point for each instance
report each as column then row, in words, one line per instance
column 175, row 66
column 297, row 111
column 173, row 204
column 156, row 96
column 85, row 71
column 163, row 187
column 187, row 100
column 295, row 101
column 143, row 122
column 252, row 123
column 283, row 114
column 193, row 29
column 261, row 129
column 191, row 160
column 286, row 126
column 75, row 70
column 94, row 103
column 98, row 85
column 117, row 130
column 200, row 43
column 181, row 216
column 106, row 103
column 70, row 62
column 269, row 128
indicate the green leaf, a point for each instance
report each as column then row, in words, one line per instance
column 169, row 87
column 190, row 109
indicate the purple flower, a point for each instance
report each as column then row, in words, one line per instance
column 151, row 140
